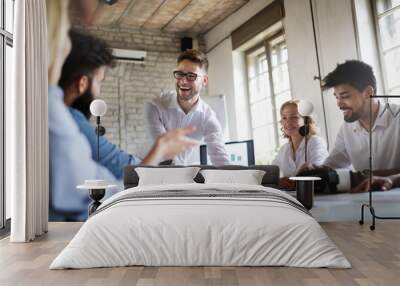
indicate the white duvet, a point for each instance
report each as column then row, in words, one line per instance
column 183, row 231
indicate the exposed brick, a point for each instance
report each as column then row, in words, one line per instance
column 129, row 85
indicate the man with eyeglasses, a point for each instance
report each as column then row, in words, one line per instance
column 354, row 83
column 185, row 108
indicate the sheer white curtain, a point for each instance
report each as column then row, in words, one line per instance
column 27, row 124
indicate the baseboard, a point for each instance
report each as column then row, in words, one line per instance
column 5, row 231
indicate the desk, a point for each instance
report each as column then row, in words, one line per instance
column 347, row 206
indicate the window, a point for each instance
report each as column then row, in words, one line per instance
column 6, row 65
column 268, row 84
column 387, row 16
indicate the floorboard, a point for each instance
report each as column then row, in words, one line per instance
column 374, row 255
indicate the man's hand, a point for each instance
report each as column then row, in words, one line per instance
column 325, row 184
column 170, row 144
column 308, row 169
column 174, row 142
column 378, row 184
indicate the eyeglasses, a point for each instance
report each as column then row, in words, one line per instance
column 190, row 76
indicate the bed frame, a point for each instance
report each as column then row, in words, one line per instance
column 270, row 179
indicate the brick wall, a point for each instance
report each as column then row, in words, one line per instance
column 129, row 85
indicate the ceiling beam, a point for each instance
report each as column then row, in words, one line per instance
column 109, row 15
column 165, row 14
column 140, row 12
column 192, row 13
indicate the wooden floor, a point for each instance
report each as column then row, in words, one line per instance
column 374, row 255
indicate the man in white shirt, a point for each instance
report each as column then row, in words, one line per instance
column 185, row 108
column 354, row 83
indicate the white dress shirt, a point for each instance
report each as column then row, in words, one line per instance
column 288, row 165
column 164, row 114
column 352, row 143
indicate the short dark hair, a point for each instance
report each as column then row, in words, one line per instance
column 195, row 56
column 353, row 72
column 88, row 53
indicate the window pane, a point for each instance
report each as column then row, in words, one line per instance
column 263, row 109
column 284, row 55
column 253, row 60
column 264, row 144
column 274, row 58
column 1, row 15
column 253, row 89
column 395, row 91
column 260, row 139
column 2, row 219
column 282, row 98
column 259, row 88
column 384, row 5
column 390, row 30
column 262, row 64
column 263, row 85
column 9, row 69
column 271, row 137
column 280, row 75
column 9, row 13
column 261, row 113
column 392, row 66
column 251, row 68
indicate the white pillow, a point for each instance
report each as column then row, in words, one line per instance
column 165, row 176
column 248, row 177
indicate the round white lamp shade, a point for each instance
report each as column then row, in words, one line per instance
column 305, row 108
column 98, row 107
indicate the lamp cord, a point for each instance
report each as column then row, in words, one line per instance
column 306, row 123
column 98, row 138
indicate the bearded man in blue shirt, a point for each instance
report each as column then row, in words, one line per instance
column 70, row 156
column 81, row 77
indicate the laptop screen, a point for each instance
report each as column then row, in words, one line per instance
column 239, row 153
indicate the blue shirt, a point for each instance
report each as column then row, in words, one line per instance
column 111, row 156
column 70, row 163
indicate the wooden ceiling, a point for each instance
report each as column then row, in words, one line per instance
column 176, row 16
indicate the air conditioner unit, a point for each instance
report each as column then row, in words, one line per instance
column 129, row 55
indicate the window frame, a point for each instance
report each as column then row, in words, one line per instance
column 267, row 44
column 376, row 17
column 6, row 39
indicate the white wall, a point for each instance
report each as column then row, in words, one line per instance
column 243, row 119
column 220, row 75
column 227, row 76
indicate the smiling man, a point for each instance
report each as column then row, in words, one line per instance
column 354, row 83
column 185, row 108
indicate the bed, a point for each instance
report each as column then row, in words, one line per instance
column 201, row 224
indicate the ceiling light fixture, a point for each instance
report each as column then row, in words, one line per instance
column 110, row 2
